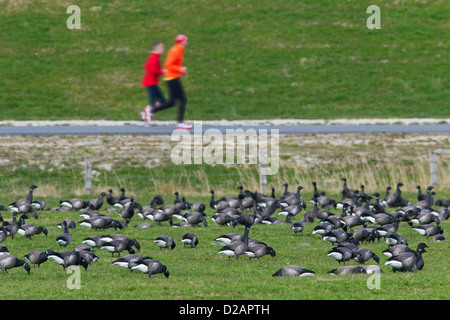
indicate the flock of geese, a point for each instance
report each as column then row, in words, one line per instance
column 364, row 219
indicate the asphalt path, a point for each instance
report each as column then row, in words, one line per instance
column 168, row 129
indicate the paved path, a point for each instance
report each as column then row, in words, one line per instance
column 168, row 129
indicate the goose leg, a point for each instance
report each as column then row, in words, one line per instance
column 34, row 212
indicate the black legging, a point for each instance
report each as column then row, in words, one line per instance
column 176, row 92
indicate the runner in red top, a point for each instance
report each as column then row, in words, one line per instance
column 150, row 80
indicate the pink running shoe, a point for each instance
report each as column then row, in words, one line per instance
column 184, row 125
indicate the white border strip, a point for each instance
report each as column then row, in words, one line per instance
column 286, row 122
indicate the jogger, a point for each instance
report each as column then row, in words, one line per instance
column 174, row 72
column 150, row 80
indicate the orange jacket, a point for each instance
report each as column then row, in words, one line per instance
column 174, row 62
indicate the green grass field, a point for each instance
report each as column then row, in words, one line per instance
column 200, row 273
column 246, row 60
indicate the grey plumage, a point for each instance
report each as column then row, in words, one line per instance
column 70, row 224
column 67, row 258
column 347, row 270
column 99, row 222
column 151, row 266
column 293, row 271
column 13, row 227
column 128, row 261
column 64, row 239
column 394, row 238
column 298, row 227
column 119, row 245
column 8, row 261
column 226, row 239
column 223, row 219
column 165, row 242
column 24, row 205
column 96, row 204
column 342, row 253
column 36, row 257
column 428, row 230
column 259, row 250
column 394, row 251
column 408, row 261
column 190, row 239
column 76, row 204
column 363, row 254
column 29, row 230
column 238, row 247
column 94, row 241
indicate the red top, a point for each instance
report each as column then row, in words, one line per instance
column 152, row 71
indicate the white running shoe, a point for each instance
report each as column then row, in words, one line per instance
column 148, row 115
column 149, row 119
column 184, row 125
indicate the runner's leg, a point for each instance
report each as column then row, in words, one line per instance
column 172, row 97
